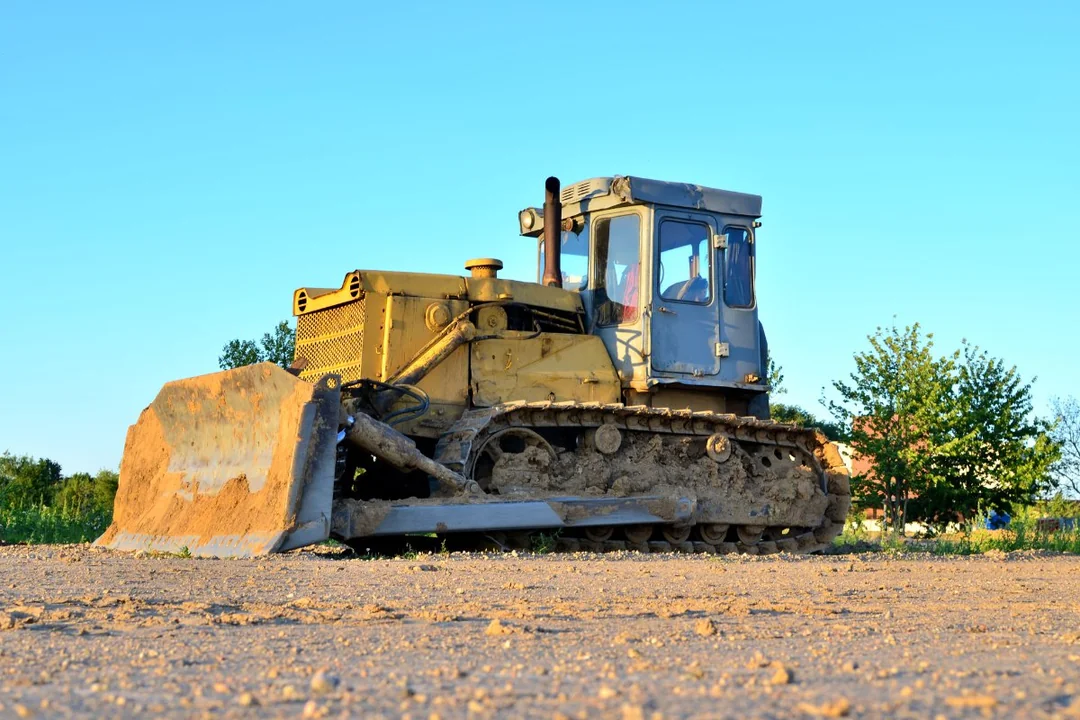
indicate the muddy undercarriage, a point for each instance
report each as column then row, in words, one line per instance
column 610, row 477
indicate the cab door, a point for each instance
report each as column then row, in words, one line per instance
column 685, row 311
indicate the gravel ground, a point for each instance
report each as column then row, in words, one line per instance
column 325, row 634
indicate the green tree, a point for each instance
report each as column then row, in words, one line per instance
column 896, row 407
column 782, row 412
column 238, row 353
column 945, row 437
column 1001, row 453
column 105, row 484
column 25, row 480
column 775, row 378
column 1066, row 433
column 277, row 347
column 76, row 494
column 82, row 493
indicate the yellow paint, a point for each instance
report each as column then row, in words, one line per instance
column 551, row 366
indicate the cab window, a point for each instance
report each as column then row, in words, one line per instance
column 685, row 262
column 739, row 268
column 618, row 268
column 574, row 259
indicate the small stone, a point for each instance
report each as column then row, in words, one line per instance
column 840, row 707
column 633, row 712
column 606, row 693
column 323, row 683
column 497, row 628
column 247, row 700
column 312, row 709
column 705, row 627
column 758, row 661
column 7, row 622
column 971, row 701
column 781, row 675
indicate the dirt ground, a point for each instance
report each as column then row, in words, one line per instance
column 325, row 634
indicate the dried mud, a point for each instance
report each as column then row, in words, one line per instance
column 675, row 467
column 90, row 633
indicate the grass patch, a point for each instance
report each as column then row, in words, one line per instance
column 1023, row 533
column 36, row 524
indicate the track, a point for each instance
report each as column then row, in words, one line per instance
column 567, row 448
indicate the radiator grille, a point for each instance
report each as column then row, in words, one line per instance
column 332, row 341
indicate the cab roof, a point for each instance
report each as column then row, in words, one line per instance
column 608, row 192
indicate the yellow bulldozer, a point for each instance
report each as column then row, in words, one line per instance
column 620, row 402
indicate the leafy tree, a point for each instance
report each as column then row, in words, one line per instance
column 896, row 406
column 776, row 378
column 25, row 480
column 82, row 493
column 945, row 437
column 280, row 345
column 1066, row 433
column 105, row 484
column 276, row 347
column 781, row 412
column 76, row 493
column 1001, row 453
column 238, row 353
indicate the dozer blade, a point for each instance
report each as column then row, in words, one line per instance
column 232, row 464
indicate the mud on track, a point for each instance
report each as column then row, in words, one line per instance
column 92, row 633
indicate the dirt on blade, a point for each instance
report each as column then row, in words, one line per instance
column 212, row 457
column 87, row 632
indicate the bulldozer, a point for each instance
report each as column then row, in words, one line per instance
column 620, row 402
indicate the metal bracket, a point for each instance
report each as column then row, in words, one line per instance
column 722, row 349
column 719, row 242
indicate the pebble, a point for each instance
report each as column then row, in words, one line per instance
column 323, row 683
column 705, row 627
column 971, row 701
column 781, row 675
column 840, row 707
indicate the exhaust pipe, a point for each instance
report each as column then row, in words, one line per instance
column 552, row 231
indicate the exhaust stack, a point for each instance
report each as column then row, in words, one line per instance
column 552, row 231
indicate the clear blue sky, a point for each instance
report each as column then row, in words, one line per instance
column 170, row 172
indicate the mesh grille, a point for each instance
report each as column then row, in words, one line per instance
column 332, row 341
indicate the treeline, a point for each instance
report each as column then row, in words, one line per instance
column 39, row 503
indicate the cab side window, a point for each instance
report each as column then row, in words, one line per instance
column 574, row 258
column 618, row 269
column 739, row 268
column 685, row 273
